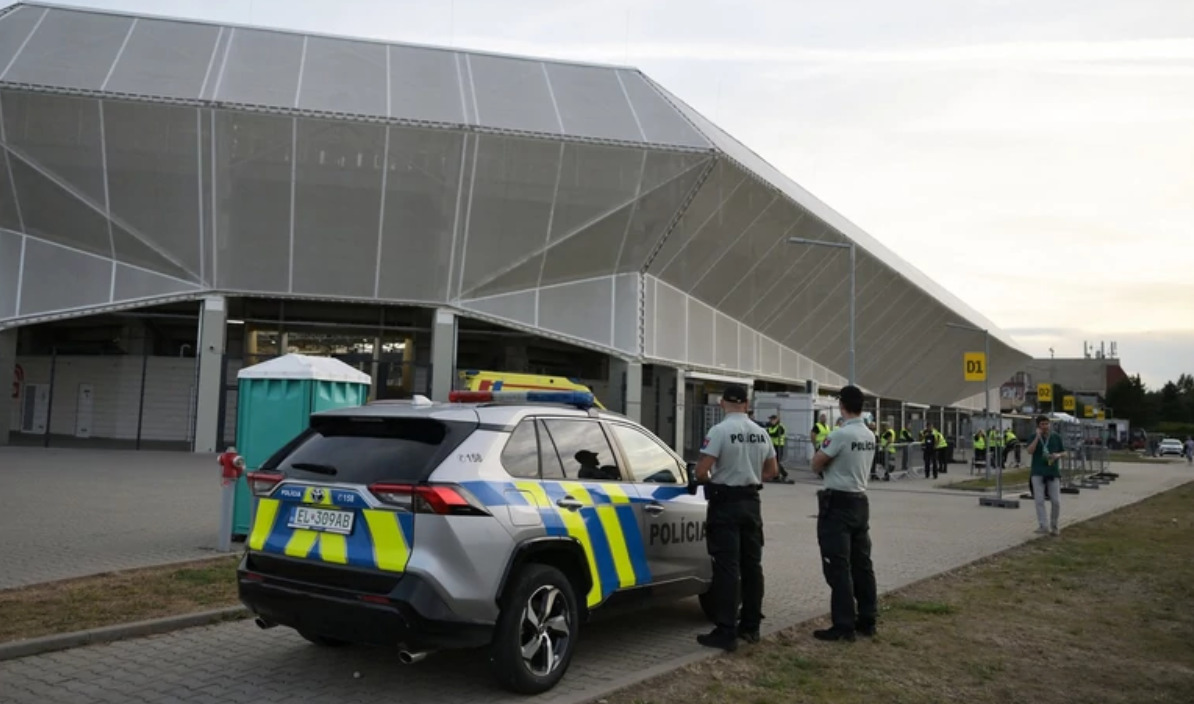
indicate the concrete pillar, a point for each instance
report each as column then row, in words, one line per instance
column 634, row 391
column 213, row 319
column 903, row 415
column 8, row 404
column 615, row 396
column 443, row 354
column 680, row 417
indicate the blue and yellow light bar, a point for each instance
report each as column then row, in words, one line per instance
column 579, row 399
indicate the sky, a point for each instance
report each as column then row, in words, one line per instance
column 1035, row 157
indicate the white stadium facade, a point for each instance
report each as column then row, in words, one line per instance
column 179, row 198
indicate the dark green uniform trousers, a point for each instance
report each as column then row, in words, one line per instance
column 843, row 532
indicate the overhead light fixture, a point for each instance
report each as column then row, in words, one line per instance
column 236, row 322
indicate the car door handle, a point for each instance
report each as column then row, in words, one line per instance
column 653, row 509
column 569, row 503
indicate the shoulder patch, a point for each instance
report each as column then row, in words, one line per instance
column 825, row 443
column 705, row 442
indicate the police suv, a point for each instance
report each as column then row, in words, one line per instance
column 499, row 520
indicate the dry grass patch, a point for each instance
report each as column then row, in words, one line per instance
column 1101, row 614
column 116, row 598
column 1014, row 477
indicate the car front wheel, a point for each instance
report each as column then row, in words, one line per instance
column 536, row 632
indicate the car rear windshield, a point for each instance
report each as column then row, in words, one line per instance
column 366, row 450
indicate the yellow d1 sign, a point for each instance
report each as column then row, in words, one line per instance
column 975, row 366
column 1068, row 403
column 1044, row 393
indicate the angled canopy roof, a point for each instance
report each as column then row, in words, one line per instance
column 551, row 194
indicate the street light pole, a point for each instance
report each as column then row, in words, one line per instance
column 853, row 287
column 998, row 501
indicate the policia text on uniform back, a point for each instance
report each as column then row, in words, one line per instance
column 843, row 522
column 737, row 456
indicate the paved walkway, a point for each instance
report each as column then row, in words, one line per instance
column 71, row 513
column 916, row 533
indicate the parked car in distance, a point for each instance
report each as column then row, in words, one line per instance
column 1170, row 446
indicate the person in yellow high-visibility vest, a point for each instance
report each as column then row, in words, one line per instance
column 907, row 441
column 779, row 439
column 888, row 445
column 995, row 444
column 980, row 448
column 942, row 447
column 1010, row 442
column 820, row 432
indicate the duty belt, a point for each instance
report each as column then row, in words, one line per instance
column 724, row 492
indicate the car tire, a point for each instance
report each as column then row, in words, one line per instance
column 541, row 606
column 324, row 641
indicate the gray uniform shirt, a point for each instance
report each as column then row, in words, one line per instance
column 741, row 447
column 852, row 448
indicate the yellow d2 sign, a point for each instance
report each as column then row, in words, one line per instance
column 1044, row 393
column 975, row 366
column 1101, row 415
column 1088, row 411
column 1068, row 403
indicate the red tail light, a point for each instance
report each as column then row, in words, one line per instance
column 429, row 498
column 262, row 483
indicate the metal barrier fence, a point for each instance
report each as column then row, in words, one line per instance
column 105, row 401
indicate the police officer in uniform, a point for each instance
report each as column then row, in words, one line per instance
column 843, row 523
column 737, row 456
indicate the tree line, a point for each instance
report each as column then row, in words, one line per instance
column 1169, row 409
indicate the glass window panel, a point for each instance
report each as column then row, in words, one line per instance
column 726, row 339
column 132, row 284
column 511, row 204
column 142, row 251
column 421, row 196
column 595, row 181
column 9, row 217
column 54, row 214
column 626, row 307
column 71, row 50
column 165, row 59
column 60, row 134
column 591, row 252
column 425, row 84
column 584, row 450
column 700, row 333
column 661, row 122
column 10, row 264
column 520, row 456
column 344, row 76
column 653, row 213
column 580, row 310
column 513, row 94
column 153, row 174
column 14, row 27
column 337, row 205
column 252, row 215
column 549, row 458
column 48, row 266
column 647, row 460
column 671, row 335
column 718, row 233
column 592, row 103
column 518, row 307
column 262, row 68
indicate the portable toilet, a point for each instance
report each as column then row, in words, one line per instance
column 275, row 400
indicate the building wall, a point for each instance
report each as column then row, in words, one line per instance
column 116, row 387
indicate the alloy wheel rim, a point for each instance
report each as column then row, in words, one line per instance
column 546, row 631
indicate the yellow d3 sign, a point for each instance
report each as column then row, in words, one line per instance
column 1044, row 393
column 1068, row 403
column 975, row 366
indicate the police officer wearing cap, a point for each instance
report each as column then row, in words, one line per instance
column 843, row 522
column 737, row 456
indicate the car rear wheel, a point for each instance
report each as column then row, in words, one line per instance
column 324, row 641
column 536, row 632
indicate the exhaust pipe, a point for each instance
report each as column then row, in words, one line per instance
column 409, row 658
column 263, row 624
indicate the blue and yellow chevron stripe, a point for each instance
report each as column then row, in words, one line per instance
column 606, row 527
column 379, row 540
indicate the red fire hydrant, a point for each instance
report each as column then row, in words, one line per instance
column 232, row 466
